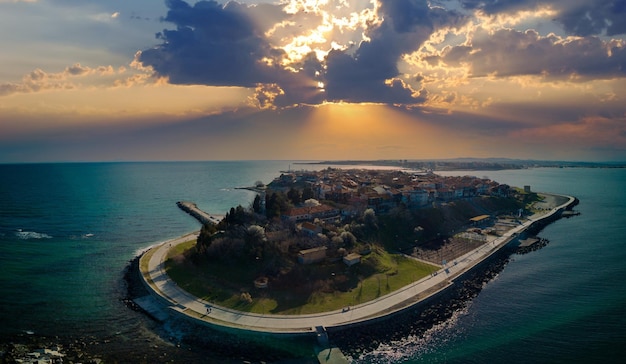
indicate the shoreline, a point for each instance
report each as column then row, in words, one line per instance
column 178, row 303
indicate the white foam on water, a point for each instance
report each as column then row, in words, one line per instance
column 413, row 346
column 25, row 235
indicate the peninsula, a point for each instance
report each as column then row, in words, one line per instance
column 334, row 249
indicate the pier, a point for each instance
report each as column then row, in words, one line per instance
column 193, row 210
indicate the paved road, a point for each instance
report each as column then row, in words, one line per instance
column 184, row 303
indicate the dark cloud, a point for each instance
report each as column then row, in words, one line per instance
column 221, row 45
column 362, row 76
column 595, row 17
column 582, row 17
column 501, row 6
column 509, row 52
column 214, row 45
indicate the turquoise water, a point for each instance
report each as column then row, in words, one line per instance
column 67, row 231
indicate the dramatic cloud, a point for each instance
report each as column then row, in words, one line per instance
column 581, row 17
column 213, row 45
column 216, row 44
column 509, row 52
column 370, row 74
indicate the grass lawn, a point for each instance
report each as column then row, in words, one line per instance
column 378, row 274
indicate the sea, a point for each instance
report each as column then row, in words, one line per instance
column 69, row 230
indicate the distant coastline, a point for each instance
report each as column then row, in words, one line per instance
column 470, row 164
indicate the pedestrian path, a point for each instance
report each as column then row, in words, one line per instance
column 182, row 302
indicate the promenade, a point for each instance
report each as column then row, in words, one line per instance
column 181, row 302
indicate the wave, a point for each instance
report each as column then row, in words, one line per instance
column 25, row 235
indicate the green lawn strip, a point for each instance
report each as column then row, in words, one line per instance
column 380, row 273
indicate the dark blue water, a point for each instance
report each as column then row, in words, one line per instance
column 67, row 231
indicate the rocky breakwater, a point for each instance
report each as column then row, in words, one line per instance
column 193, row 210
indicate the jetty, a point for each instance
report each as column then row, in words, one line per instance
column 193, row 210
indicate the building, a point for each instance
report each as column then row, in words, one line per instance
column 310, row 228
column 313, row 255
column 352, row 259
column 309, row 213
column 480, row 220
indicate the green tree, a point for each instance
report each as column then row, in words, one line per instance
column 256, row 204
column 255, row 239
column 370, row 220
column 205, row 237
column 307, row 193
column 276, row 204
column 294, row 196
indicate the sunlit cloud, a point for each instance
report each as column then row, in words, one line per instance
column 71, row 77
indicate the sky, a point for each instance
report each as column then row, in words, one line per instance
column 143, row 80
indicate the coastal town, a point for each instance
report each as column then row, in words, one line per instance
column 322, row 200
column 357, row 190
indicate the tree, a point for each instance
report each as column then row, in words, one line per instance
column 311, row 202
column 369, row 218
column 205, row 237
column 255, row 238
column 272, row 207
column 307, row 193
column 348, row 239
column 294, row 196
column 256, row 204
column 275, row 204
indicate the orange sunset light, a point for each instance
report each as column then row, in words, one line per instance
column 375, row 131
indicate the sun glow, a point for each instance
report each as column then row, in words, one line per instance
column 373, row 131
